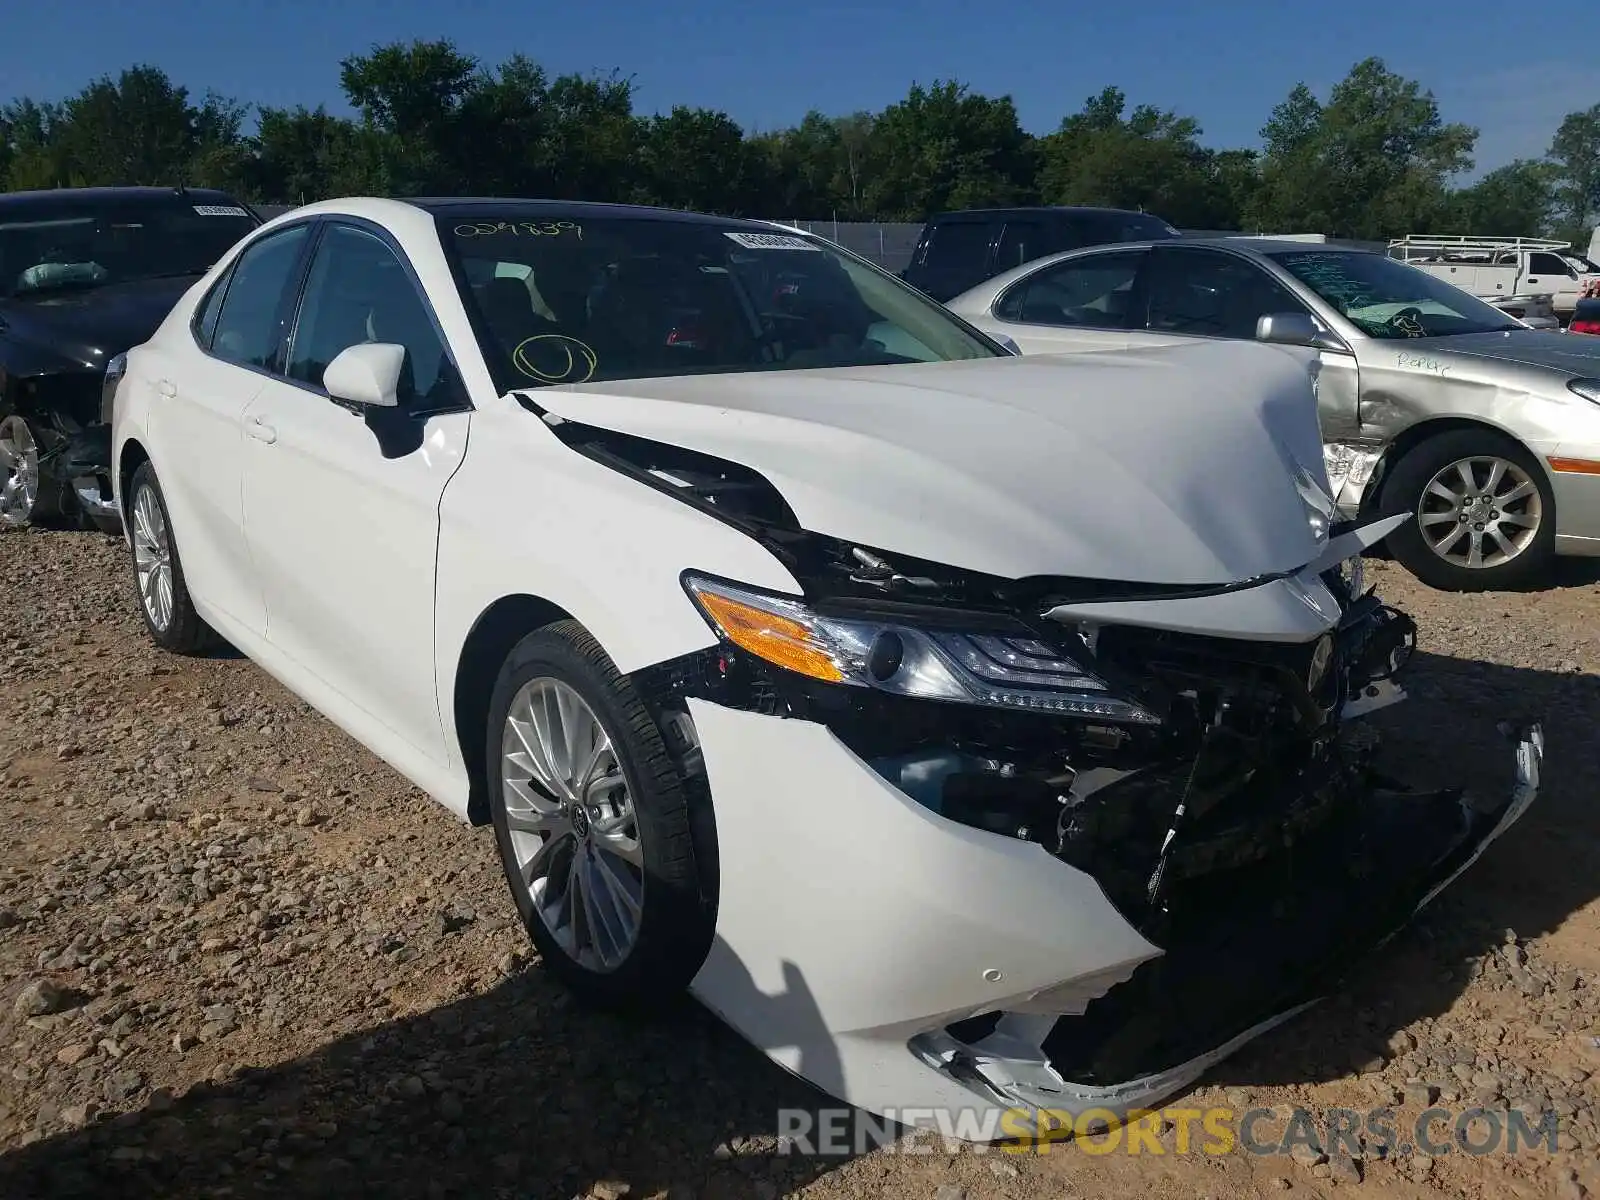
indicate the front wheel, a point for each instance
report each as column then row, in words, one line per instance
column 1482, row 513
column 23, row 497
column 592, row 819
column 169, row 613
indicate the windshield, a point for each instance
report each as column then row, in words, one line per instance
column 1388, row 299
column 568, row 298
column 89, row 244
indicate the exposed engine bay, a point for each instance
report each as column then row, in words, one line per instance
column 1215, row 788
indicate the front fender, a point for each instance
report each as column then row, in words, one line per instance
column 527, row 516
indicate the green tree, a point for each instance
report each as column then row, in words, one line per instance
column 32, row 153
column 697, row 158
column 1575, row 151
column 1515, row 200
column 1373, row 162
column 943, row 147
column 1150, row 159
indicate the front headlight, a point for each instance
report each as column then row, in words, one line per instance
column 1589, row 389
column 985, row 668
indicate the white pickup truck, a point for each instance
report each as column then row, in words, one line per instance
column 1495, row 268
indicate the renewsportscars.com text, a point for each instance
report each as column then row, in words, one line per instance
column 1435, row 1132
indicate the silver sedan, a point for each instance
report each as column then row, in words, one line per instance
column 1432, row 402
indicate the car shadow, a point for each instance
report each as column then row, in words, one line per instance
column 513, row 1093
column 520, row 1092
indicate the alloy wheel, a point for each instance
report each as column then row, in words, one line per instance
column 569, row 812
column 152, row 558
column 1480, row 512
column 19, row 472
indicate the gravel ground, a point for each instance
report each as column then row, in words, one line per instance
column 240, row 957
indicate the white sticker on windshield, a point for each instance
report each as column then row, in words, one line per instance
column 220, row 210
column 771, row 241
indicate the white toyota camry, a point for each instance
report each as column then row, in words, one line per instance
column 967, row 730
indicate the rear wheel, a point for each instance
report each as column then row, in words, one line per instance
column 169, row 613
column 23, row 499
column 1482, row 512
column 592, row 820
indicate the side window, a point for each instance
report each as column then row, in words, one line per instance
column 205, row 320
column 358, row 291
column 1020, row 242
column 1547, row 264
column 1211, row 294
column 959, row 246
column 249, row 328
column 1094, row 292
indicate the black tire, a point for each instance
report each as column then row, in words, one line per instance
column 1403, row 492
column 676, row 921
column 186, row 633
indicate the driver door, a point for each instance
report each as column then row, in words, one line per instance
column 341, row 507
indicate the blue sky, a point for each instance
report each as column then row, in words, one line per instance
column 1226, row 62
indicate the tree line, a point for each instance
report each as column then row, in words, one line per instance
column 1373, row 159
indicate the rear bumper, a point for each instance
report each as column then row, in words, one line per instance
column 902, row 961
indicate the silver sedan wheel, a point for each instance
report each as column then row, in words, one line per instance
column 152, row 558
column 569, row 812
column 1480, row 512
column 19, row 472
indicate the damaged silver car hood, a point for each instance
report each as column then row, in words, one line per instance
column 1175, row 465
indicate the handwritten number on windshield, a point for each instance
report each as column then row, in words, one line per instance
column 520, row 229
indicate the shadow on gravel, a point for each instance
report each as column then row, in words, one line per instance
column 521, row 1094
column 517, row 1093
column 1539, row 873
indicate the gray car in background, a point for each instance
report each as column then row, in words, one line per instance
column 1432, row 402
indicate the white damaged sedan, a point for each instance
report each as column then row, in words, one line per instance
column 969, row 731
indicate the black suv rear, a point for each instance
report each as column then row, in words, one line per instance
column 959, row 250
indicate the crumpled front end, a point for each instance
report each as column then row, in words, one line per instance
column 939, row 894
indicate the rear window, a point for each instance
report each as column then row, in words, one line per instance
column 1106, row 228
column 963, row 245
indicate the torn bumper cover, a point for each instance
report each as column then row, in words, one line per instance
column 943, row 907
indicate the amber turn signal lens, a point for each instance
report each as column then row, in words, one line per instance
column 779, row 640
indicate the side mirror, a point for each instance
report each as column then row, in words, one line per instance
column 1296, row 329
column 1010, row 344
column 367, row 374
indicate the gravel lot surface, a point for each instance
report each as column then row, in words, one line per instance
column 240, row 957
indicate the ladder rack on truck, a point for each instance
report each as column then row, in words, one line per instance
column 1428, row 248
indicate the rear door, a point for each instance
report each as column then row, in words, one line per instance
column 954, row 255
column 199, row 395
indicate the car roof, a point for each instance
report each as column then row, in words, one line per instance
column 54, row 197
column 1043, row 209
column 588, row 208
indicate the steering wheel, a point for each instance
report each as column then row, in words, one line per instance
column 1408, row 321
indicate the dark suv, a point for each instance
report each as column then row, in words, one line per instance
column 959, row 250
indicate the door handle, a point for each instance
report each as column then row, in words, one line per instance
column 261, row 431
column 166, row 387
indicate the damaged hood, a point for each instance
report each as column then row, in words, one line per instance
column 1172, row 465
